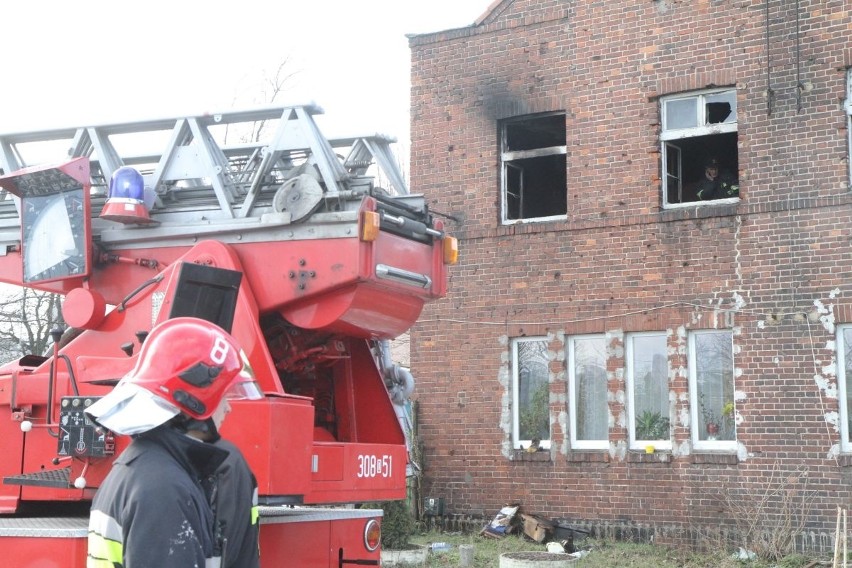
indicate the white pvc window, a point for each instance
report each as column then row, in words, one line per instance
column 844, row 369
column 530, row 393
column 587, row 387
column 648, row 408
column 711, row 390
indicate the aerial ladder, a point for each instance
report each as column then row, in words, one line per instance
column 310, row 251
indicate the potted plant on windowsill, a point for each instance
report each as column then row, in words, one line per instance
column 651, row 425
column 710, row 417
column 713, row 421
column 712, row 427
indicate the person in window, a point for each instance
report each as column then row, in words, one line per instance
column 717, row 184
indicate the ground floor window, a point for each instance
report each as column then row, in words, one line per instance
column 530, row 393
column 587, row 386
column 711, row 385
column 844, row 370
column 648, row 390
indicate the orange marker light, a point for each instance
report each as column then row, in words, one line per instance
column 451, row 250
column 370, row 223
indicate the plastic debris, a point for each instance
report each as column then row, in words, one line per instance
column 743, row 554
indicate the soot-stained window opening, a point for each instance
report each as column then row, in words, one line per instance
column 699, row 148
column 534, row 175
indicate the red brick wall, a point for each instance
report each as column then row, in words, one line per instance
column 621, row 263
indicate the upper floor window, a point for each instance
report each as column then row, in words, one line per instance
column 699, row 147
column 844, row 370
column 530, row 393
column 587, row 388
column 534, row 178
column 711, row 390
column 648, row 412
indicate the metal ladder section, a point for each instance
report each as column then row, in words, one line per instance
column 226, row 165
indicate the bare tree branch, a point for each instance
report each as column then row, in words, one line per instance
column 268, row 88
column 26, row 318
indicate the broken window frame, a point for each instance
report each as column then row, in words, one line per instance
column 518, row 370
column 510, row 161
column 701, row 344
column 598, row 406
column 844, row 388
column 700, row 127
column 656, row 397
column 848, row 108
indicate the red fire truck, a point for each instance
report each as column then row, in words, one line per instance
column 310, row 251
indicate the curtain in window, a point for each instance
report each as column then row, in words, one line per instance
column 714, row 373
column 591, row 389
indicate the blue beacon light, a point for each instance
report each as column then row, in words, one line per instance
column 126, row 201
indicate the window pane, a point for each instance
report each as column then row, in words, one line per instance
column 721, row 108
column 714, row 373
column 674, row 180
column 535, row 187
column 650, row 387
column 532, row 133
column 533, row 392
column 591, row 389
column 681, row 113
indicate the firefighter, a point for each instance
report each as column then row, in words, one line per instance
column 716, row 184
column 153, row 508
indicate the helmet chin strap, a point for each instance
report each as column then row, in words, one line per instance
column 204, row 430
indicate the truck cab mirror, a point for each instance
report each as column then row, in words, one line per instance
column 55, row 220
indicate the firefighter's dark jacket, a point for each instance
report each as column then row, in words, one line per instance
column 151, row 510
column 236, row 509
column 722, row 187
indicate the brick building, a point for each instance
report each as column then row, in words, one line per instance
column 674, row 356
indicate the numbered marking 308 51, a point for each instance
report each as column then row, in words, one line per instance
column 375, row 466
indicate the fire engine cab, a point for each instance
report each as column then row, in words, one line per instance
column 311, row 252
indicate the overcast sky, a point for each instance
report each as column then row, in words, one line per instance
column 100, row 61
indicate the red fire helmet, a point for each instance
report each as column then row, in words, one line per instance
column 189, row 365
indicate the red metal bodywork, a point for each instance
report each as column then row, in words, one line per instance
column 306, row 313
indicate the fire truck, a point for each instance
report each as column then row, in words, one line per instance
column 310, row 251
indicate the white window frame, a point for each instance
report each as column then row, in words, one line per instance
column 843, row 390
column 572, row 399
column 664, row 444
column 517, row 442
column 506, row 161
column 702, row 129
column 848, row 107
column 694, row 405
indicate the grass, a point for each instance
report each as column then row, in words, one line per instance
column 602, row 554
